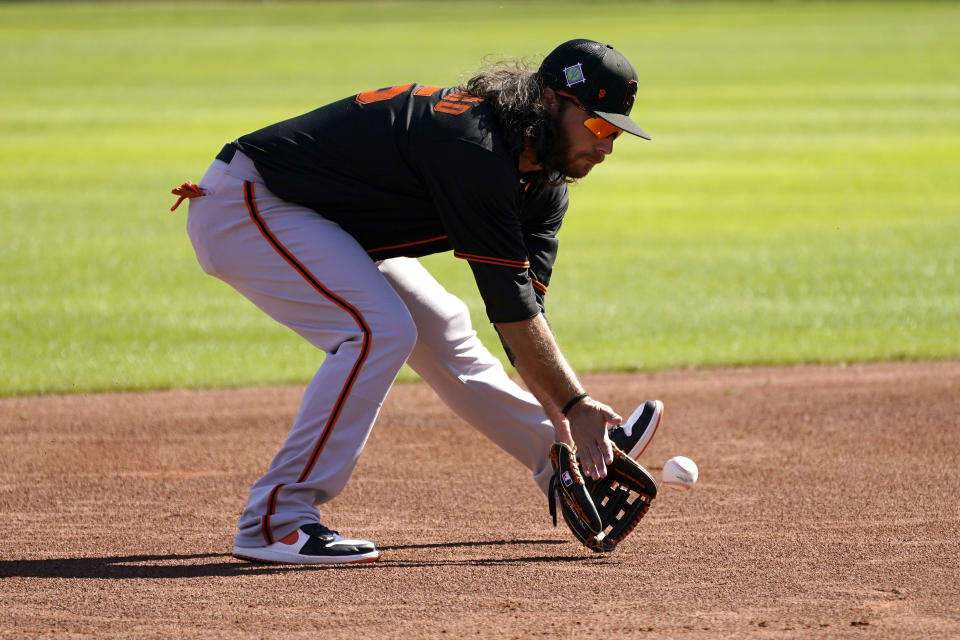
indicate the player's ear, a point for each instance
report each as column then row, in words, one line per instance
column 549, row 98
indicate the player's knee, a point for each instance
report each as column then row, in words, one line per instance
column 406, row 337
column 396, row 337
column 457, row 317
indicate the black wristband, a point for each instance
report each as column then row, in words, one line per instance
column 573, row 402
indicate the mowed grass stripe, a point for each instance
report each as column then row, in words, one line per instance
column 797, row 204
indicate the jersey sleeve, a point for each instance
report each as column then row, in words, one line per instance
column 543, row 211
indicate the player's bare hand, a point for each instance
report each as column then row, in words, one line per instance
column 589, row 420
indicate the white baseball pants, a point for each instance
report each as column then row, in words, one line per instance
column 307, row 273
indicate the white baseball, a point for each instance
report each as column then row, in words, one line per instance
column 680, row 473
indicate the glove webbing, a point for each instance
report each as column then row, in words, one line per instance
column 621, row 507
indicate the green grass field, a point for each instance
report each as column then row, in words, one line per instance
column 799, row 201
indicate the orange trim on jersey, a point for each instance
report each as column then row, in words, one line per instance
column 378, row 95
column 542, row 288
column 249, row 198
column 407, row 244
column 453, row 108
column 463, row 96
column 456, row 103
column 502, row 262
column 426, row 91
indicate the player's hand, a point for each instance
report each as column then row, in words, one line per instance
column 588, row 421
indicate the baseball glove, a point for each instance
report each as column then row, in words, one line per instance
column 600, row 513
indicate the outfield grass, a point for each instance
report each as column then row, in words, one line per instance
column 799, row 201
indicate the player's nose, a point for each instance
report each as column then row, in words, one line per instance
column 605, row 145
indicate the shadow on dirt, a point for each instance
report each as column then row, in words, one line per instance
column 472, row 543
column 203, row 565
column 127, row 567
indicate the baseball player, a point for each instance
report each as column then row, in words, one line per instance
column 318, row 220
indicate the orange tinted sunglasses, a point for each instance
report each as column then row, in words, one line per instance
column 597, row 125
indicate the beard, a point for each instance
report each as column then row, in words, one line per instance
column 553, row 149
column 579, row 165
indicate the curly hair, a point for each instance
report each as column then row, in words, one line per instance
column 514, row 92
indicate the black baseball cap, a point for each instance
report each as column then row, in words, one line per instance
column 598, row 76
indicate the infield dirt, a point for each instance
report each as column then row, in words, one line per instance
column 827, row 506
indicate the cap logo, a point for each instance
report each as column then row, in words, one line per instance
column 602, row 94
column 574, row 75
column 630, row 96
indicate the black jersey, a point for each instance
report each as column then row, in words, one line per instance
column 413, row 170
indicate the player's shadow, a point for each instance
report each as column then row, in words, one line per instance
column 470, row 543
column 201, row 565
column 130, row 567
column 485, row 562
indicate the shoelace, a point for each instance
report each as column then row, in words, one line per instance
column 321, row 532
